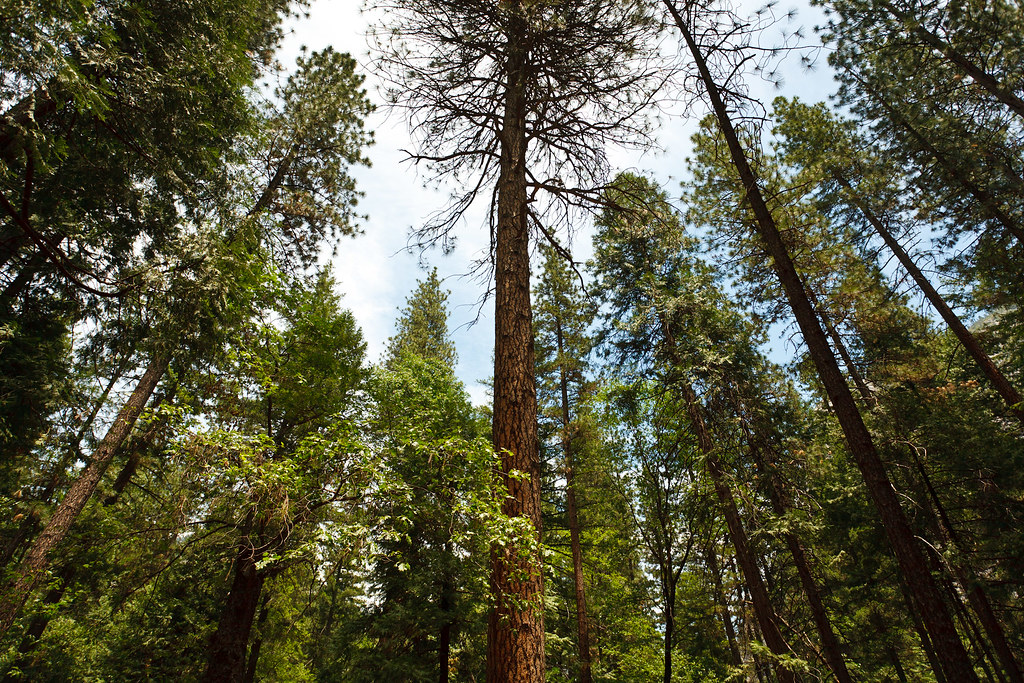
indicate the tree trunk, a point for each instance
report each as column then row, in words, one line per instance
column 999, row 382
column 968, row 579
column 13, row 291
column 257, row 644
column 444, row 640
column 34, row 109
column 977, row 74
column 73, row 451
column 952, row 655
column 840, row 347
column 922, row 632
column 981, row 195
column 582, row 628
column 36, row 560
column 515, row 633
column 136, row 446
column 763, row 610
column 829, row 642
column 670, row 628
column 723, row 606
column 226, row 661
column 37, row 626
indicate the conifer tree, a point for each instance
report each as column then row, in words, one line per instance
column 422, row 326
column 438, row 470
column 703, row 48
column 519, row 99
column 561, row 322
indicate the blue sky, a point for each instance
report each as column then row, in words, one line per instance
column 376, row 272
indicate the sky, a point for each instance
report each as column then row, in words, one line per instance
column 376, row 272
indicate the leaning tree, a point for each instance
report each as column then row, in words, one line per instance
column 515, row 102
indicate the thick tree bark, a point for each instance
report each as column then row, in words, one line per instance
column 36, row 560
column 950, row 649
column 515, row 633
column 582, row 627
column 226, row 662
column 999, row 382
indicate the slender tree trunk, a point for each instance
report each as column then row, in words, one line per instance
column 226, row 662
column 136, row 446
column 515, row 633
column 922, row 632
column 36, row 560
column 968, row 579
column 29, row 112
column 990, row 203
column 582, row 628
column 73, row 451
column 986, row 80
column 444, row 640
column 257, row 643
column 970, row 629
column 840, row 347
column 766, row 618
column 999, row 382
column 670, row 628
column 830, row 644
column 12, row 292
column 37, row 626
column 763, row 610
column 896, row 663
column 723, row 606
column 884, row 632
column 934, row 613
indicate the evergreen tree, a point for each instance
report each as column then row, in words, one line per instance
column 422, row 326
column 431, row 536
column 526, row 91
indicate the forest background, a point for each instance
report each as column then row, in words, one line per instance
column 754, row 411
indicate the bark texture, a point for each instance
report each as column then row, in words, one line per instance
column 226, row 662
column 515, row 633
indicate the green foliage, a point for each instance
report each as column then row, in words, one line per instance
column 422, row 326
column 156, row 204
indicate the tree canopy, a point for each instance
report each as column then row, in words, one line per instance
column 769, row 431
